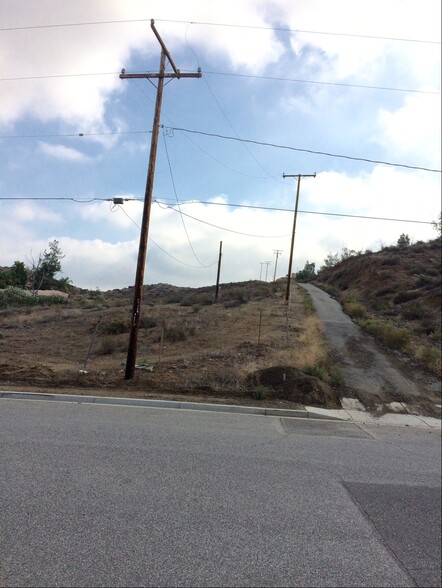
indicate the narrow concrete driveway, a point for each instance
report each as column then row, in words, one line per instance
column 372, row 375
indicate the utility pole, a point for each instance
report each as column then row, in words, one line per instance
column 144, row 235
column 277, row 252
column 289, row 275
column 260, row 271
column 266, row 263
column 219, row 271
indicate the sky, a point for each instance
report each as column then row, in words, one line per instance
column 349, row 91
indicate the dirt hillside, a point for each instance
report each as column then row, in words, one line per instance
column 395, row 294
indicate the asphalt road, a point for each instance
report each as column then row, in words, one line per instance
column 98, row 495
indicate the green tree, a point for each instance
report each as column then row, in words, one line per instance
column 5, row 278
column 346, row 253
column 19, row 275
column 437, row 225
column 331, row 260
column 47, row 265
column 307, row 274
column 403, row 241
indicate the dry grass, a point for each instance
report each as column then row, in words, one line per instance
column 214, row 349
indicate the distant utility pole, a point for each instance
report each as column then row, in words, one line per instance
column 289, row 275
column 267, row 263
column 260, row 271
column 142, row 250
column 277, row 252
column 219, row 271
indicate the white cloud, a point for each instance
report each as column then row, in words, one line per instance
column 29, row 212
column 62, row 152
column 412, row 132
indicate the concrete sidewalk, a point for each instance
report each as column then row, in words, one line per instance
column 350, row 413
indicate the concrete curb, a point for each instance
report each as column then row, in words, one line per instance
column 154, row 403
column 309, row 412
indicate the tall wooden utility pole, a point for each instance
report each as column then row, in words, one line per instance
column 142, row 250
column 289, row 275
column 266, row 263
column 277, row 252
column 219, row 271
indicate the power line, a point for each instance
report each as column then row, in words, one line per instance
column 272, row 208
column 223, row 228
column 232, row 74
column 229, row 138
column 299, row 81
column 159, row 247
column 288, row 30
column 277, row 29
column 178, row 203
column 324, row 153
column 59, row 135
column 163, row 201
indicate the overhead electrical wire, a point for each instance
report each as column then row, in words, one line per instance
column 309, row 32
column 237, row 75
column 163, row 201
column 299, row 81
column 314, row 152
column 74, row 135
column 221, row 228
column 229, row 122
column 164, row 115
column 277, row 29
column 238, row 139
column 178, row 203
column 159, row 247
column 339, row 214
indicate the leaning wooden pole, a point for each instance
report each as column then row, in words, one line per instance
column 142, row 250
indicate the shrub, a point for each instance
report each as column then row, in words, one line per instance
column 116, row 327
column 384, row 291
column 350, row 296
column 107, row 347
column 337, row 376
column 260, row 392
column 405, row 296
column 423, row 281
column 391, row 261
column 13, row 296
column 173, row 298
column 236, row 294
column 316, row 371
column 175, row 334
column 413, row 311
column 392, row 336
column 354, row 310
column 147, row 322
column 430, row 357
column 436, row 335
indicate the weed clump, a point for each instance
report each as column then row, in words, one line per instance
column 116, row 327
column 354, row 310
column 431, row 358
column 316, row 371
column 107, row 347
column 394, row 337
